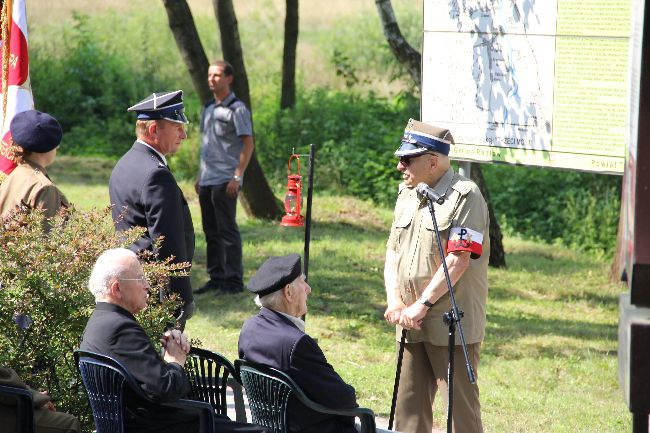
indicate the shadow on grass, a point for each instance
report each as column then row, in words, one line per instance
column 260, row 233
column 541, row 258
column 505, row 330
column 346, row 273
column 534, row 274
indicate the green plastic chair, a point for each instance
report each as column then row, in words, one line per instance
column 210, row 374
column 268, row 391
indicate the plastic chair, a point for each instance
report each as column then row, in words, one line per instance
column 268, row 391
column 104, row 379
column 210, row 375
column 24, row 407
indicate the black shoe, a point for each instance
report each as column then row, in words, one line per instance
column 229, row 290
column 210, row 285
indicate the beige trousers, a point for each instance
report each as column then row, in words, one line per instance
column 424, row 371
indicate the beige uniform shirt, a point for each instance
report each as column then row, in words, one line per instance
column 464, row 215
column 29, row 184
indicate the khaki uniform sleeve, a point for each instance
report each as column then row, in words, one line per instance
column 49, row 199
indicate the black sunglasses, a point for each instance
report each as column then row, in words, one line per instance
column 406, row 160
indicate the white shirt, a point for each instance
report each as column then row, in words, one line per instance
column 295, row 320
column 155, row 150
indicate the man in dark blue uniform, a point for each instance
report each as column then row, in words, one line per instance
column 144, row 193
column 276, row 337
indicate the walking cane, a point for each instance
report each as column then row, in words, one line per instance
column 397, row 373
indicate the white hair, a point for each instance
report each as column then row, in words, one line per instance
column 272, row 301
column 110, row 265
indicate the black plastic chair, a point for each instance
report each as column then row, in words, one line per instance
column 104, row 379
column 24, row 407
column 268, row 391
column 210, row 375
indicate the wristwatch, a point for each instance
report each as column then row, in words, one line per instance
column 236, row 178
column 424, row 301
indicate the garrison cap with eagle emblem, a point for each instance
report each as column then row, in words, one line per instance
column 420, row 137
column 164, row 105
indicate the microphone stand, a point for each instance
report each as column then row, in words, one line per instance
column 451, row 319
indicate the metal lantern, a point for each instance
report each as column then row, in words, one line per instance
column 293, row 197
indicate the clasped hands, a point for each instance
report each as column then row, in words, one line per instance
column 410, row 317
column 176, row 346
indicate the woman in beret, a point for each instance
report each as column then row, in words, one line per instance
column 36, row 136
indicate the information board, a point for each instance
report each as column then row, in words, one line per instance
column 542, row 83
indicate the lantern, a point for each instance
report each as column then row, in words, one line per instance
column 293, row 197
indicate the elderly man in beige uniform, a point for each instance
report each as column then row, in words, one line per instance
column 416, row 289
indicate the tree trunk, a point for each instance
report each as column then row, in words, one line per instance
column 412, row 59
column 257, row 197
column 497, row 253
column 288, row 97
column 404, row 52
column 187, row 39
column 231, row 48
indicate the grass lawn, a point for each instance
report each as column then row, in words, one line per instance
column 548, row 362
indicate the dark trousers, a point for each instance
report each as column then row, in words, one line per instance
column 224, row 249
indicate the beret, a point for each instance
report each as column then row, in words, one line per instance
column 35, row 131
column 420, row 137
column 274, row 274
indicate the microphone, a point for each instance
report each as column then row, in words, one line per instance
column 427, row 192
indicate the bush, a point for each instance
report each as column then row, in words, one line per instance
column 88, row 84
column 44, row 302
column 579, row 210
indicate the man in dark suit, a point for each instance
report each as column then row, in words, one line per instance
column 121, row 290
column 276, row 337
column 144, row 192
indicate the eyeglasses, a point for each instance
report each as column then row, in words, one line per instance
column 406, row 160
column 142, row 279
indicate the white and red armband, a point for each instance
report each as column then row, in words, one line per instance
column 464, row 239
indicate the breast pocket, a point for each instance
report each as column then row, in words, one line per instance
column 429, row 252
column 402, row 224
column 223, row 124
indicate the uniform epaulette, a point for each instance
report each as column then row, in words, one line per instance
column 462, row 184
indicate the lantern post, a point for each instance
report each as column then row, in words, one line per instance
column 293, row 201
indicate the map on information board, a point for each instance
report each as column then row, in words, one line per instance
column 530, row 82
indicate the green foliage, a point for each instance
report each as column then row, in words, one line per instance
column 88, row 83
column 355, row 137
column 43, row 284
column 579, row 210
column 185, row 163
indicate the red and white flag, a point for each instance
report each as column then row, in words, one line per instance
column 16, row 88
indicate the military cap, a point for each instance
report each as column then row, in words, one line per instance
column 274, row 274
column 35, row 131
column 421, row 137
column 166, row 105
